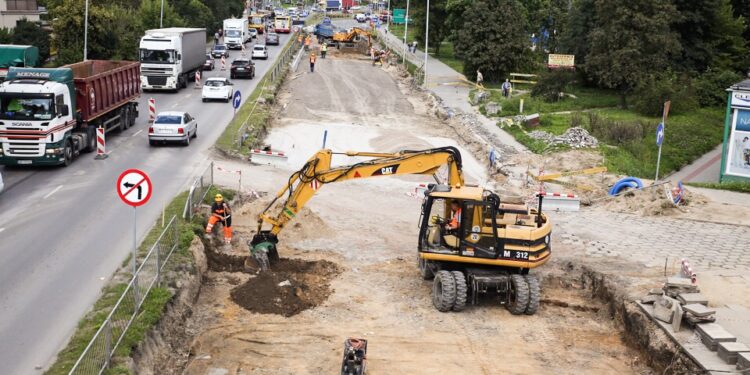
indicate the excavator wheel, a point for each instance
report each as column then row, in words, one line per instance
column 424, row 269
column 444, row 291
column 534, row 294
column 461, row 291
column 518, row 299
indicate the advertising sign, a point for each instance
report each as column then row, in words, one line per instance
column 561, row 61
column 738, row 155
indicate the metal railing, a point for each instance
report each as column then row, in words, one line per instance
column 98, row 354
column 198, row 191
column 399, row 49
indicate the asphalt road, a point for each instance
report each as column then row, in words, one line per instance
column 64, row 231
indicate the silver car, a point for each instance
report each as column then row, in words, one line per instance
column 172, row 127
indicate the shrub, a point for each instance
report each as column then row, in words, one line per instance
column 651, row 97
column 551, row 84
column 712, row 84
column 614, row 132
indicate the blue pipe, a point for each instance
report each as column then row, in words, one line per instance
column 627, row 182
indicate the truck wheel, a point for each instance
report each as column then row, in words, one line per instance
column 424, row 268
column 132, row 111
column 68, row 153
column 461, row 291
column 90, row 139
column 519, row 295
column 534, row 294
column 444, row 291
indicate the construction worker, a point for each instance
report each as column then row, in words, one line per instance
column 299, row 39
column 455, row 222
column 220, row 212
column 308, row 39
column 312, row 62
column 480, row 80
column 323, row 50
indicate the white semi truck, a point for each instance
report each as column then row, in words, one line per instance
column 169, row 57
column 236, row 32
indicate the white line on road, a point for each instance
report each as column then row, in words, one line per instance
column 2, row 230
column 52, row 192
column 136, row 133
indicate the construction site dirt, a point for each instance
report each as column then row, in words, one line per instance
column 348, row 264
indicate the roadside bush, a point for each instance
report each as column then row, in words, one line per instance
column 712, row 84
column 551, row 84
column 651, row 96
column 613, row 132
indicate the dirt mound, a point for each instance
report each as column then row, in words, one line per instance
column 291, row 287
column 651, row 202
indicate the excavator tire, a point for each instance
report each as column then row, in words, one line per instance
column 519, row 295
column 424, row 269
column 534, row 294
column 461, row 291
column 444, row 291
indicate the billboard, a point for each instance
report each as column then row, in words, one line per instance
column 738, row 155
column 561, row 61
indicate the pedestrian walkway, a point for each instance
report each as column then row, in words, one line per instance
column 704, row 169
column 445, row 82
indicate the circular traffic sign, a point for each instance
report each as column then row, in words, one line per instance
column 237, row 99
column 660, row 134
column 134, row 187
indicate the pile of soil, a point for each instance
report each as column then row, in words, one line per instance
column 290, row 287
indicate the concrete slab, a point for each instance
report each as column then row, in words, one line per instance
column 713, row 333
column 656, row 291
column 743, row 361
column 651, row 298
column 691, row 343
column 692, row 298
column 728, row 351
column 698, row 310
column 680, row 282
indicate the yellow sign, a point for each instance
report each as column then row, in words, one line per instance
column 561, row 61
column 555, row 176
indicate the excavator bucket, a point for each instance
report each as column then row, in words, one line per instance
column 263, row 249
column 355, row 357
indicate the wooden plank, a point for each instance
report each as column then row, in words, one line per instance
column 555, row 176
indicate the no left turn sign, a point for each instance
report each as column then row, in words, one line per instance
column 134, row 187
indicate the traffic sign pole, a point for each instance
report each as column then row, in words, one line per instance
column 134, row 189
column 660, row 132
column 135, row 242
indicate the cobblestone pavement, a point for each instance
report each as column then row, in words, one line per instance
column 649, row 240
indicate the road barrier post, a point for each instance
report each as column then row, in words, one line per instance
column 101, row 152
column 197, row 79
column 223, row 64
column 151, row 109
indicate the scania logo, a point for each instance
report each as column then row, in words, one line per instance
column 21, row 124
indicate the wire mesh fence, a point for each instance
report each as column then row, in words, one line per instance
column 198, row 191
column 99, row 352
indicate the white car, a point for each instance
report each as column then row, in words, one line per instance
column 360, row 17
column 253, row 32
column 260, row 52
column 217, row 88
column 172, row 127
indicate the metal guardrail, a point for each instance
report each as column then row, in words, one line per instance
column 97, row 356
column 198, row 191
column 401, row 51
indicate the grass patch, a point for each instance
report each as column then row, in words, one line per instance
column 736, row 186
column 586, row 98
column 398, row 30
column 447, row 57
column 152, row 306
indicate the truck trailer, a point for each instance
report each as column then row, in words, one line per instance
column 18, row 56
column 236, row 32
column 169, row 57
column 50, row 116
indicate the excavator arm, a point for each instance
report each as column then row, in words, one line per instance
column 317, row 172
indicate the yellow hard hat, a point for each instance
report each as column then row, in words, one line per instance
column 218, row 198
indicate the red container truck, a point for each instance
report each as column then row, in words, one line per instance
column 50, row 116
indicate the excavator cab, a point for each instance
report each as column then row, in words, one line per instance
column 492, row 243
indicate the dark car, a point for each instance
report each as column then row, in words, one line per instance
column 242, row 67
column 209, row 64
column 272, row 39
column 220, row 50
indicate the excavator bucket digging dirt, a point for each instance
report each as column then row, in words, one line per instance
column 355, row 357
column 263, row 250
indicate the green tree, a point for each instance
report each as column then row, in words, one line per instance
column 438, row 27
column 195, row 14
column 454, row 20
column 6, row 35
column 493, row 39
column 711, row 35
column 150, row 16
column 29, row 33
column 129, row 32
column 576, row 39
column 631, row 39
column 68, row 26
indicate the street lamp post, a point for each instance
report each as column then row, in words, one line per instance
column 161, row 15
column 86, row 32
column 426, row 44
column 406, row 28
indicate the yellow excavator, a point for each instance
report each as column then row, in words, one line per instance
column 351, row 37
column 470, row 242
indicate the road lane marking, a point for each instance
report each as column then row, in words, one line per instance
column 2, row 230
column 52, row 192
column 136, row 133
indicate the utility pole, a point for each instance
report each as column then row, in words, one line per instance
column 86, row 33
column 426, row 44
column 161, row 15
column 406, row 28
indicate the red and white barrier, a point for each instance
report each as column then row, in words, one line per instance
column 101, row 150
column 237, row 172
column 267, row 157
column 197, row 79
column 151, row 109
column 560, row 202
column 223, row 63
column 419, row 191
column 688, row 272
